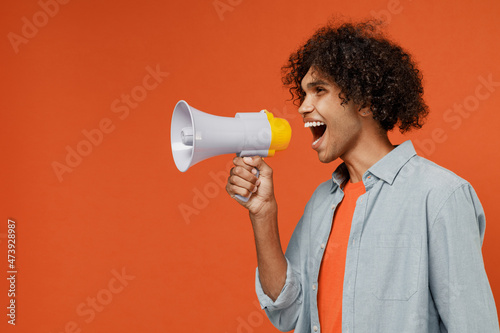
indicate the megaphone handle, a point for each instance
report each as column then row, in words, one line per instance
column 245, row 199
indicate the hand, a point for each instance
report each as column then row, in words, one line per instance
column 243, row 181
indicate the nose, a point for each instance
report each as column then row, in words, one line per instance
column 306, row 107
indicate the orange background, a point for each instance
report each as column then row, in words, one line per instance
column 120, row 208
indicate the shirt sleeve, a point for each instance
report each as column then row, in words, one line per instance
column 288, row 295
column 284, row 311
column 457, row 276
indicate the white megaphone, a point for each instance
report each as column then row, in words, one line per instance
column 196, row 135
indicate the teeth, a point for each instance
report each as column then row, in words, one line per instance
column 316, row 141
column 313, row 123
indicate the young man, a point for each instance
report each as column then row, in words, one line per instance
column 392, row 243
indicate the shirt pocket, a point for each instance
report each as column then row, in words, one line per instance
column 391, row 263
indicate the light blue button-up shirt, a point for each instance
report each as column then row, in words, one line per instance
column 413, row 261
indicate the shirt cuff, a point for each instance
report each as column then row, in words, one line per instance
column 288, row 295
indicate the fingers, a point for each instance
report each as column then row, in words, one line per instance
column 242, row 179
column 259, row 163
column 240, row 161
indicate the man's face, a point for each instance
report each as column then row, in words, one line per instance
column 336, row 128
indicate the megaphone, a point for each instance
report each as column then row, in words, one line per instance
column 196, row 135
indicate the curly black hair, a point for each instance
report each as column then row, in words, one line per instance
column 369, row 69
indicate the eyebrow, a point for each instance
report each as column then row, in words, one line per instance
column 316, row 83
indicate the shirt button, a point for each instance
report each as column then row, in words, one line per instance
column 314, row 287
column 322, row 245
column 315, row 328
column 353, row 242
column 333, row 206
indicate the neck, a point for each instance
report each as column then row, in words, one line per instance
column 368, row 149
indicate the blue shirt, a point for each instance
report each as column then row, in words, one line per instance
column 413, row 261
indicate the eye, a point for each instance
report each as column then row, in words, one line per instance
column 319, row 90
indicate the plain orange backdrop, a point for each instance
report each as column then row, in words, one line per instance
column 120, row 208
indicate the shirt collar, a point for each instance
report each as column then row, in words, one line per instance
column 385, row 169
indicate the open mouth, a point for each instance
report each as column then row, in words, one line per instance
column 318, row 128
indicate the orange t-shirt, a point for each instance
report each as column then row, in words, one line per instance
column 331, row 274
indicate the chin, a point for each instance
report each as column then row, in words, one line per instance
column 326, row 159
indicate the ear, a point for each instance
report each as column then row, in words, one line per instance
column 364, row 111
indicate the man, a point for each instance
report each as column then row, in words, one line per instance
column 392, row 243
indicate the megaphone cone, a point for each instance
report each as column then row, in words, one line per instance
column 196, row 135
